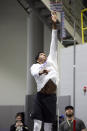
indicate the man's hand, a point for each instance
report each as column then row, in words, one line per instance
column 54, row 19
column 43, row 72
column 54, row 16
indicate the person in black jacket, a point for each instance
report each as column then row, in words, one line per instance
column 19, row 124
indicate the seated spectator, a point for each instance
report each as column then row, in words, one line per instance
column 19, row 123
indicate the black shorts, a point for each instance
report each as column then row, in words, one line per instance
column 44, row 107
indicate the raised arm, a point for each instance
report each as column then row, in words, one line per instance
column 54, row 43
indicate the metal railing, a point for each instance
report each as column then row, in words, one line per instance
column 83, row 27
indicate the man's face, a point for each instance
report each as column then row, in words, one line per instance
column 42, row 58
column 69, row 112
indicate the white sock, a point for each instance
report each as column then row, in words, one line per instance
column 47, row 126
column 37, row 125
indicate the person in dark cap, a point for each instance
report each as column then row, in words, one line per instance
column 72, row 123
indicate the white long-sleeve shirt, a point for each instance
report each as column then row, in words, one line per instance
column 50, row 64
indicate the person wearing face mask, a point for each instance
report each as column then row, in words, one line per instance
column 72, row 123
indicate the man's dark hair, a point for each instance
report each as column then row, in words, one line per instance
column 37, row 56
column 69, row 107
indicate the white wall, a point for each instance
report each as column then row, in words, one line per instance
column 81, row 78
column 66, row 72
column 13, row 48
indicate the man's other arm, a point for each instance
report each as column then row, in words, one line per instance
column 54, row 41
